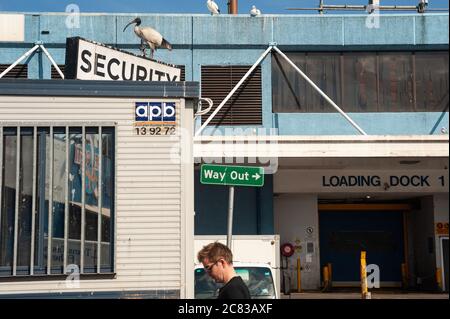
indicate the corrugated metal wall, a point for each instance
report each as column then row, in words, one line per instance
column 149, row 222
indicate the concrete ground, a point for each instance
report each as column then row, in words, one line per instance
column 357, row 295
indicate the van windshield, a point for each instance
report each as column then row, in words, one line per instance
column 258, row 280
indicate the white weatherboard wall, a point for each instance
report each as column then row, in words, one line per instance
column 154, row 194
column 294, row 213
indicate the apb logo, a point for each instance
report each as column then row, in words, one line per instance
column 155, row 112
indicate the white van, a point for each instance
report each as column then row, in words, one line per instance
column 258, row 277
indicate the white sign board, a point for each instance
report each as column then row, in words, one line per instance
column 343, row 181
column 86, row 60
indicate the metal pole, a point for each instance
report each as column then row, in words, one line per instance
column 33, row 204
column 230, row 215
column 232, row 7
column 233, row 90
column 320, row 91
column 52, row 61
column 18, row 60
column 16, row 210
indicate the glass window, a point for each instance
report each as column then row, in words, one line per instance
column 396, row 82
column 431, row 81
column 43, row 163
column 8, row 201
column 324, row 69
column 259, row 281
column 25, row 201
column 362, row 82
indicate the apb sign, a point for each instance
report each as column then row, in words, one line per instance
column 232, row 175
column 151, row 113
column 87, row 60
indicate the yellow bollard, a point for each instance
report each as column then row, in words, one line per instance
column 299, row 276
column 439, row 278
column 330, row 275
column 404, row 276
column 326, row 278
column 364, row 290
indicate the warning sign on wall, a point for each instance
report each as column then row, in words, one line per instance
column 442, row 228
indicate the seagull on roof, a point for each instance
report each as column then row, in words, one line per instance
column 212, row 7
column 149, row 36
column 254, row 12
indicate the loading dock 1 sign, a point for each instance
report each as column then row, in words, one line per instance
column 232, row 175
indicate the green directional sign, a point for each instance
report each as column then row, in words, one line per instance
column 232, row 175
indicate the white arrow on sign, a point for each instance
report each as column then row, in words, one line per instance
column 256, row 176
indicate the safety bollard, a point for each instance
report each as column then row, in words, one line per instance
column 364, row 289
column 299, row 276
column 404, row 276
column 439, row 278
column 330, row 275
column 326, row 278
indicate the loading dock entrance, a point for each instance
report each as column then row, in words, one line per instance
column 347, row 229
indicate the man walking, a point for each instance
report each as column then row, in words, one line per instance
column 217, row 259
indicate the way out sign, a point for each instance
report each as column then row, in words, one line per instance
column 232, row 175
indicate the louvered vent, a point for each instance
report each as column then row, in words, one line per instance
column 20, row 71
column 55, row 74
column 183, row 72
column 245, row 106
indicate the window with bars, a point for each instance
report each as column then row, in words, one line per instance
column 20, row 71
column 362, row 82
column 56, row 199
column 245, row 106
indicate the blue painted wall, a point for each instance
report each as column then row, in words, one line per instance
column 252, row 214
column 206, row 40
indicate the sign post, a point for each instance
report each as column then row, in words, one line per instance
column 232, row 176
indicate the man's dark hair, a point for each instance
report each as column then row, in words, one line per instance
column 214, row 252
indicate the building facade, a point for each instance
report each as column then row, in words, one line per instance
column 329, row 190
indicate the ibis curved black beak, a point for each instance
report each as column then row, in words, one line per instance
column 131, row 22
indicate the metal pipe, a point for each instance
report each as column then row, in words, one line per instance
column 66, row 203
column 261, row 58
column 1, row 173
column 320, row 91
column 52, row 61
column 19, row 59
column 16, row 210
column 233, row 7
column 33, row 201
column 83, row 197
column 50, row 206
column 230, row 215
column 100, row 203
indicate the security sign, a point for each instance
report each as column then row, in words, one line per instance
column 155, row 118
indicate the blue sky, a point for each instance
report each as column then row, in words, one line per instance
column 184, row 6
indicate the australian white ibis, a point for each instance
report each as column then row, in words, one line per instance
column 148, row 35
column 212, row 7
column 255, row 12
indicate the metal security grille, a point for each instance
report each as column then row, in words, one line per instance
column 245, row 107
column 19, row 71
column 55, row 74
column 56, row 199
